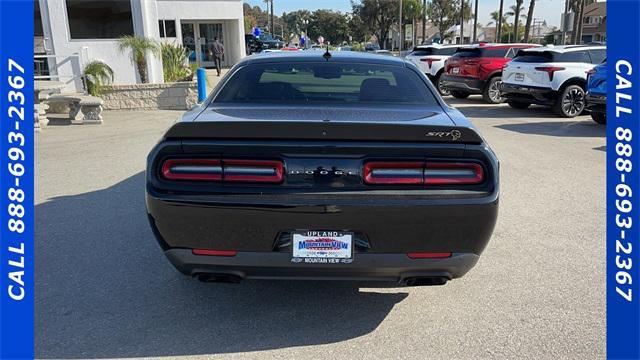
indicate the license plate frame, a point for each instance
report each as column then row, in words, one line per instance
column 455, row 70
column 519, row 77
column 322, row 244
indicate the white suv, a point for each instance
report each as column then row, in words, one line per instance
column 555, row 76
column 430, row 59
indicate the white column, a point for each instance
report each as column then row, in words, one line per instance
column 145, row 24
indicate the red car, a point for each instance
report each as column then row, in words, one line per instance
column 477, row 69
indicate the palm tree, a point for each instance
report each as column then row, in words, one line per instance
column 499, row 33
column 268, row 2
column 139, row 47
column 527, row 27
column 96, row 75
column 495, row 19
column 516, row 11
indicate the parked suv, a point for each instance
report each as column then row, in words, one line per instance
column 597, row 93
column 430, row 59
column 477, row 69
column 555, row 76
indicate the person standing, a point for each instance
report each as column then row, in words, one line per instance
column 218, row 52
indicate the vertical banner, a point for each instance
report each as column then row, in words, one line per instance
column 16, row 179
column 623, row 182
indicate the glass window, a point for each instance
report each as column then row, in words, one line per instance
column 467, row 53
column 421, row 52
column 433, row 51
column 498, row 53
column 598, row 56
column 575, row 56
column 161, row 28
column 99, row 19
column 327, row 83
column 167, row 28
column 533, row 56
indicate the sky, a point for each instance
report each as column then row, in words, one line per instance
column 548, row 10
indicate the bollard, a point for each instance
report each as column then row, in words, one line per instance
column 202, row 84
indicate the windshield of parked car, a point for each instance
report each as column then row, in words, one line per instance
column 327, row 83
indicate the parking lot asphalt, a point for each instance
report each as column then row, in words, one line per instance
column 105, row 290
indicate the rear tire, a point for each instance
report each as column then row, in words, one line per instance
column 518, row 104
column 443, row 91
column 571, row 102
column 491, row 93
column 459, row 94
column 600, row 118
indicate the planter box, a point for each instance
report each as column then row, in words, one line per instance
column 169, row 96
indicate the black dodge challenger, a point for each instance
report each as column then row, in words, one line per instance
column 338, row 166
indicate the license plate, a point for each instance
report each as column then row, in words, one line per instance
column 455, row 70
column 519, row 77
column 322, row 244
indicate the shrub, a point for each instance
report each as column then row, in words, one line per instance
column 97, row 74
column 139, row 47
column 174, row 63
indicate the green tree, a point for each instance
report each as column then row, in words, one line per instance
column 527, row 27
column 378, row 15
column 140, row 47
column 516, row 12
column 293, row 21
column 332, row 25
column 443, row 14
column 411, row 11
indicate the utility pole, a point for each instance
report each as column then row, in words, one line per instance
column 424, row 21
column 273, row 27
column 475, row 23
column 461, row 21
column 564, row 22
column 499, row 31
column 580, row 22
column 401, row 37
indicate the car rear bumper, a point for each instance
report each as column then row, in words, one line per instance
column 531, row 94
column 596, row 102
column 470, row 85
column 363, row 267
column 382, row 223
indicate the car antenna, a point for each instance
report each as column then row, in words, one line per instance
column 327, row 55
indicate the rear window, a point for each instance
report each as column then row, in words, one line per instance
column 533, row 56
column 325, row 82
column 469, row 53
column 433, row 51
column 550, row 56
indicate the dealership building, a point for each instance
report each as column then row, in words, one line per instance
column 70, row 33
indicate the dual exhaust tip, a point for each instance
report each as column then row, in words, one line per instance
column 235, row 279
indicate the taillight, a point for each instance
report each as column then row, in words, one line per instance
column 429, row 60
column 394, row 172
column 209, row 252
column 549, row 70
column 429, row 255
column 423, row 173
column 192, row 169
column 252, row 171
column 453, row 173
column 232, row 170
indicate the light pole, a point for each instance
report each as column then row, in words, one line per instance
column 461, row 21
column 475, row 23
column 499, row 31
column 401, row 35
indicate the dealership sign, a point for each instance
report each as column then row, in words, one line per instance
column 623, row 180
